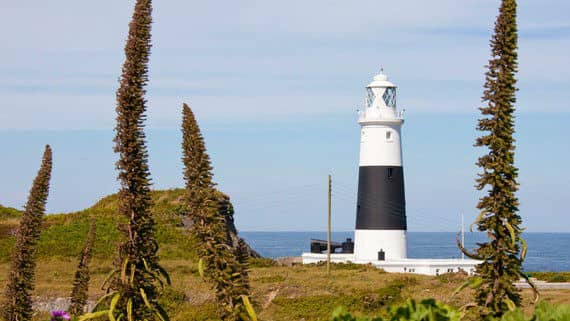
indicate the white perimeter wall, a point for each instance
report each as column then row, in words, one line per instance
column 417, row 266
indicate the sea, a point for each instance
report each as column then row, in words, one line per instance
column 546, row 251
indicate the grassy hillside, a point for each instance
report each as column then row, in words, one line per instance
column 63, row 234
column 9, row 213
column 279, row 292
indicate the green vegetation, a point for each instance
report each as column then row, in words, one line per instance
column 8, row 212
column 134, row 288
column 17, row 304
column 81, row 281
column 551, row 276
column 190, row 298
column 501, row 255
column 197, row 166
column 223, row 263
column 135, row 285
column 369, row 301
column 425, row 310
column 431, row 310
column 63, row 235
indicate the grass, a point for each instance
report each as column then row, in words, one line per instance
column 280, row 293
column 63, row 234
column 9, row 213
column 299, row 292
column 551, row 276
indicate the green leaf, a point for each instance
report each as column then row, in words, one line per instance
column 201, row 267
column 512, row 232
column 164, row 274
column 532, row 285
column 476, row 282
column 524, row 248
column 130, row 310
column 161, row 313
column 93, row 315
column 132, row 278
column 107, row 278
column 112, row 306
column 147, row 268
column 103, row 298
column 473, row 283
column 477, row 220
column 145, row 299
column 249, row 307
column 124, row 271
column 510, row 304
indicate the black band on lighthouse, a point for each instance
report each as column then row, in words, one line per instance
column 381, row 202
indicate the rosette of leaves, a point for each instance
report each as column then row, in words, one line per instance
column 131, row 294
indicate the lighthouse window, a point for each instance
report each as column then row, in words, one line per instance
column 388, row 135
column 390, row 97
column 370, row 96
column 390, row 173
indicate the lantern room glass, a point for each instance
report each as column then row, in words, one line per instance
column 370, row 96
column 389, row 97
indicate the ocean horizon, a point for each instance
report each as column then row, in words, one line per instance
column 546, row 251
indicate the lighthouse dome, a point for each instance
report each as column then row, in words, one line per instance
column 381, row 81
column 381, row 94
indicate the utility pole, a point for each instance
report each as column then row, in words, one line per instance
column 329, row 228
column 462, row 236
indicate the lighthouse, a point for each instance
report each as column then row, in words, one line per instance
column 380, row 236
column 380, row 232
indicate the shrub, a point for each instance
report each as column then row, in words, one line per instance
column 431, row 310
column 551, row 276
column 425, row 310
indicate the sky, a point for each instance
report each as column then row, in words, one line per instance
column 275, row 86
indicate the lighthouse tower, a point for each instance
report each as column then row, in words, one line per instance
column 380, row 234
column 381, row 207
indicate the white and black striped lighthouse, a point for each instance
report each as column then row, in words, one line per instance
column 381, row 207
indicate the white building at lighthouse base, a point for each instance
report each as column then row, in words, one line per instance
column 416, row 266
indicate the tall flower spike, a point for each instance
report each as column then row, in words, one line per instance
column 17, row 305
column 502, row 264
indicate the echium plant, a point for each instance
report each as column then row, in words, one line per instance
column 197, row 166
column 17, row 305
column 221, row 263
column 134, row 287
column 79, row 292
column 502, row 255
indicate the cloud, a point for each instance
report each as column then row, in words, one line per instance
column 253, row 60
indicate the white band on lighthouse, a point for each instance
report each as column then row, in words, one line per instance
column 380, row 215
column 380, row 145
column 390, row 242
